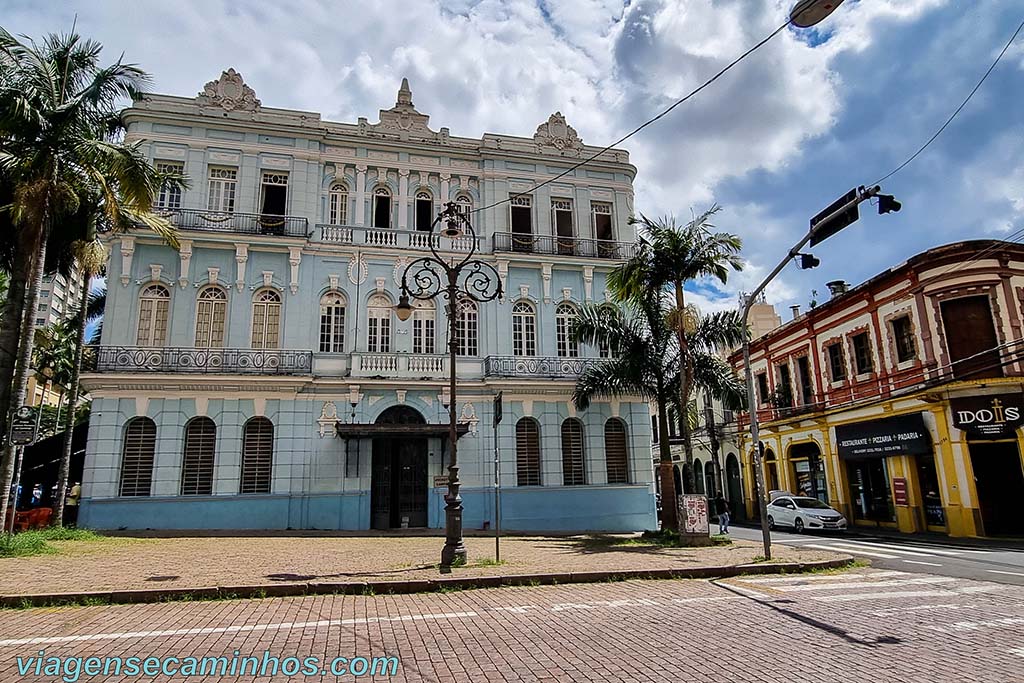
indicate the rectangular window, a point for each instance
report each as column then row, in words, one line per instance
column 423, row 332
column 862, row 353
column 381, row 210
column 903, row 335
column 654, row 429
column 338, row 207
column 603, row 231
column 521, row 222
column 784, row 390
column 803, row 369
column 223, row 184
column 762, row 387
column 971, row 337
column 561, row 218
column 424, row 211
column 170, row 193
column 836, row 362
column 379, row 333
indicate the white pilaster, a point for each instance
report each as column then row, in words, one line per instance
column 360, row 195
column 403, row 199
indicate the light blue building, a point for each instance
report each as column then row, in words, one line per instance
column 226, row 368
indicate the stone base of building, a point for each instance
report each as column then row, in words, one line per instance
column 550, row 509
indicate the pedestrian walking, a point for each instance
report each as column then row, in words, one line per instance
column 71, row 506
column 722, row 510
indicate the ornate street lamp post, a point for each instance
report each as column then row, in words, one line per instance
column 459, row 279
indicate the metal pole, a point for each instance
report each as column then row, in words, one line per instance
column 454, row 551
column 19, row 454
column 497, row 497
column 762, row 495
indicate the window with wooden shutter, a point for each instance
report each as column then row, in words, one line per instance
column 573, row 464
column 616, row 451
column 211, row 314
column 197, row 463
column 257, row 455
column 527, row 452
column 137, row 458
column 154, row 302
column 266, row 319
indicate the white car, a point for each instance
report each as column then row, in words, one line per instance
column 801, row 512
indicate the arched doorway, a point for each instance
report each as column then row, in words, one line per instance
column 709, row 479
column 698, row 475
column 734, row 486
column 808, row 471
column 678, row 477
column 771, row 472
column 398, row 489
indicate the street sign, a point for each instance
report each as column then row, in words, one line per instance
column 823, row 230
column 23, row 426
column 497, row 408
column 899, row 492
column 440, row 481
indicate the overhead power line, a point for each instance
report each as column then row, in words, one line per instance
column 955, row 112
column 645, row 124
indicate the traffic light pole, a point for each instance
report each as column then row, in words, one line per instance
column 861, row 194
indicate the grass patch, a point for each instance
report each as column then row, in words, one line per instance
column 37, row 541
column 487, row 562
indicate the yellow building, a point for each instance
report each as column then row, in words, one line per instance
column 899, row 401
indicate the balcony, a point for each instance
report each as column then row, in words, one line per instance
column 236, row 222
column 536, row 367
column 399, row 365
column 190, row 360
column 562, row 246
column 416, row 240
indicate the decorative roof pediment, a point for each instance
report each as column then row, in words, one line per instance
column 402, row 121
column 555, row 132
column 230, row 93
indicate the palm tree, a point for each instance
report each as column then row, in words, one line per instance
column 60, row 162
column 667, row 257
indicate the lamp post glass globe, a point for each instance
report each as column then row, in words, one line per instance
column 404, row 309
column 807, row 13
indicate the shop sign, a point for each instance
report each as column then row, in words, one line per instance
column 996, row 416
column 693, row 514
column 899, row 492
column 440, row 481
column 899, row 435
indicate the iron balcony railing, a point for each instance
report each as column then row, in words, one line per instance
column 236, row 222
column 418, row 240
column 563, row 246
column 533, row 366
column 171, row 359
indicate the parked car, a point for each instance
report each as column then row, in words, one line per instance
column 803, row 513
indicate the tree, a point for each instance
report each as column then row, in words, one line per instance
column 61, row 161
column 668, row 256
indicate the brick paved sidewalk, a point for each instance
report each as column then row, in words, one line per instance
column 195, row 562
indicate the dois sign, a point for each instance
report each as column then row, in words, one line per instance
column 996, row 416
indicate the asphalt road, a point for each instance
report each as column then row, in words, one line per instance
column 980, row 560
column 864, row 625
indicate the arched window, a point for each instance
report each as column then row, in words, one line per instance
column 332, row 323
column 197, row 463
column 378, row 324
column 211, row 312
column 574, row 472
column 524, row 329
column 424, row 210
column 154, row 302
column 567, row 346
column 337, row 205
column 382, row 207
column 467, row 328
column 527, row 452
column 266, row 320
column 137, row 457
column 464, row 203
column 257, row 455
column 423, row 327
column 604, row 349
column 698, row 476
column 616, row 451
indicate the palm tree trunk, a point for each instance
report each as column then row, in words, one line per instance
column 36, row 257
column 69, row 423
column 684, row 388
column 669, row 507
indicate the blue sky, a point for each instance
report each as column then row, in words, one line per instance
column 780, row 137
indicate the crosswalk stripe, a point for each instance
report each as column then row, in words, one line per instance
column 921, row 548
column 855, row 552
column 996, row 571
column 886, row 549
column 867, row 584
column 926, row 564
column 879, row 596
column 822, row 577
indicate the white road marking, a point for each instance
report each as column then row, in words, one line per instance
column 924, row 549
column 914, row 608
column 996, row 571
column 855, row 552
column 1019, row 652
column 822, row 577
column 980, row 589
column 880, row 596
column 975, row 625
column 887, row 549
column 868, row 584
column 927, row 564
column 686, row 601
column 284, row 626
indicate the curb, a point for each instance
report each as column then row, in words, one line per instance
column 276, row 590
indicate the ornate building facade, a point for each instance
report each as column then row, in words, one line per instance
column 238, row 378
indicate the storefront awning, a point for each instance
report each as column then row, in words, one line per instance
column 898, row 435
column 372, row 430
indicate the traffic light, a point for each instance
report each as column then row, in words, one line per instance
column 888, row 204
column 809, row 261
